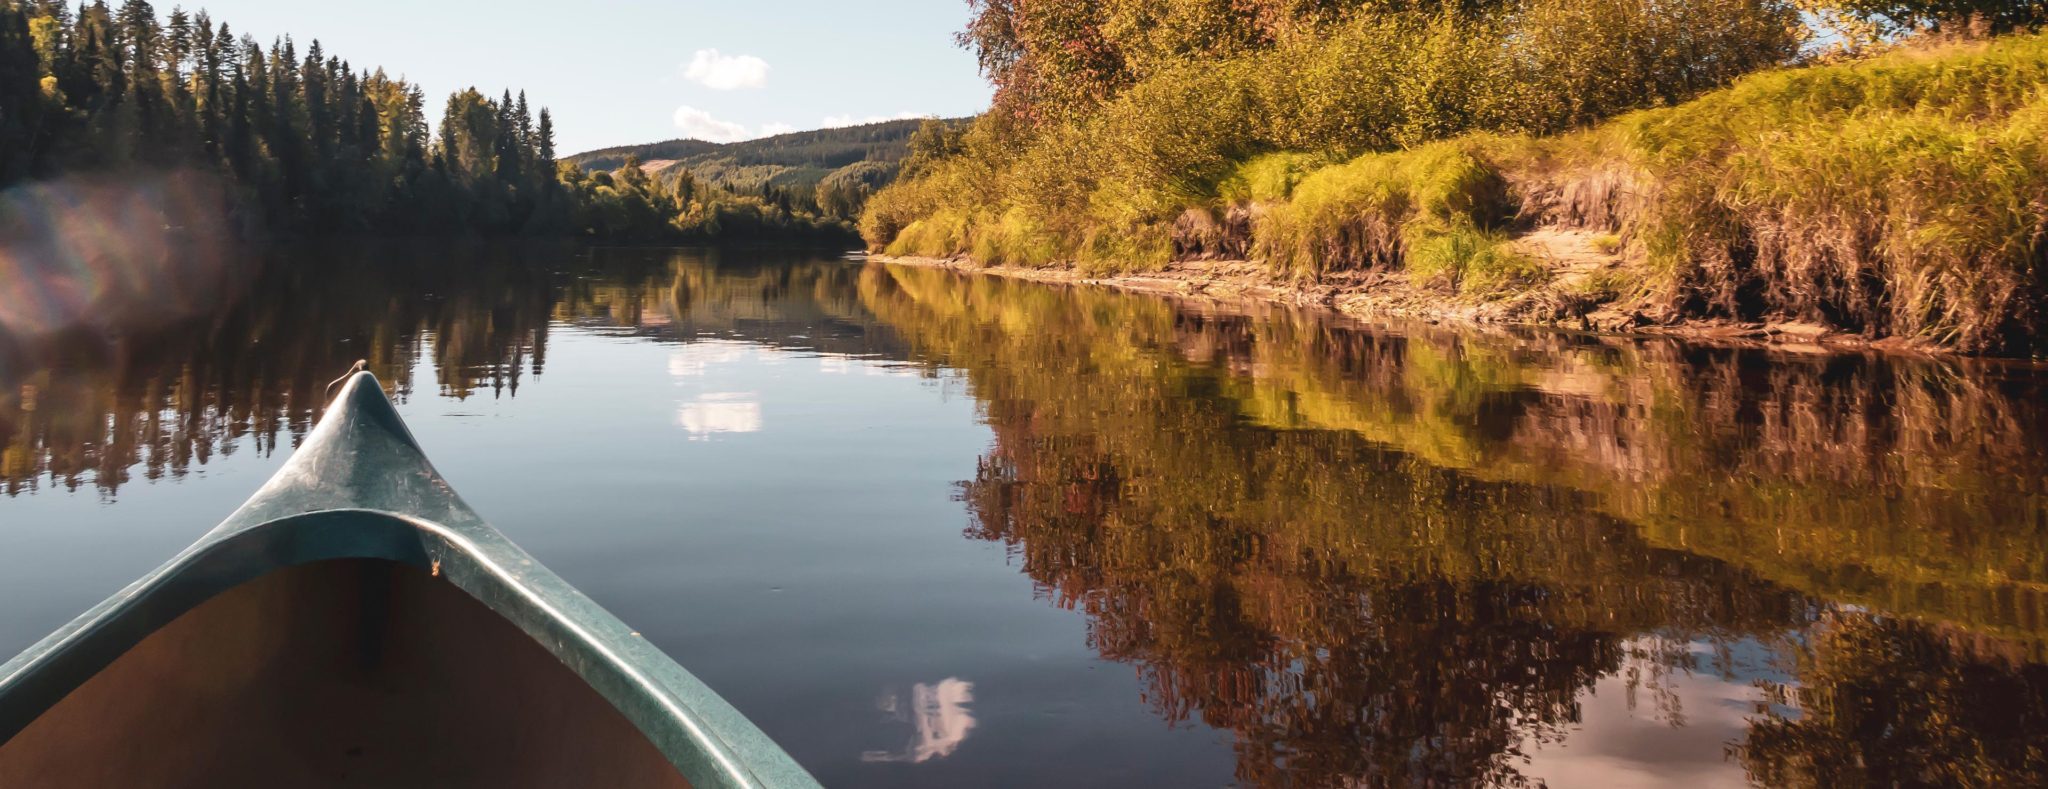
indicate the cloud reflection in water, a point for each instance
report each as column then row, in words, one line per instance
column 720, row 412
column 940, row 713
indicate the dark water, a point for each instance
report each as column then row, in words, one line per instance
column 938, row 530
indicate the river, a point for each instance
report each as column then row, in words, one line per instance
column 937, row 529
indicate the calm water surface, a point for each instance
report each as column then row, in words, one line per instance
column 931, row 529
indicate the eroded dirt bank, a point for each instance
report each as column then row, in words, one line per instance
column 1382, row 295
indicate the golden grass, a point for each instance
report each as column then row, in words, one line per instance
column 1903, row 196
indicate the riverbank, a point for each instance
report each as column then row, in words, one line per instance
column 1891, row 202
column 1387, row 295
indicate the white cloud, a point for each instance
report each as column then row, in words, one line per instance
column 772, row 129
column 836, row 121
column 726, row 72
column 701, row 125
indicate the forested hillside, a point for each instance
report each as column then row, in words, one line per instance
column 177, row 117
column 783, row 160
column 1874, row 167
column 828, row 171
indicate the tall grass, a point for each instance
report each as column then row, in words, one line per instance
column 1904, row 196
column 1371, row 211
column 1377, row 81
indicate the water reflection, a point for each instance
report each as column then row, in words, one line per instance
column 720, row 412
column 696, row 359
column 1375, row 555
column 1406, row 556
column 98, row 407
column 939, row 713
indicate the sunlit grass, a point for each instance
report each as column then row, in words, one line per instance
column 1902, row 196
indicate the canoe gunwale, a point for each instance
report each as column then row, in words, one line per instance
column 361, row 443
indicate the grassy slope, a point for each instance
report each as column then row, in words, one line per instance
column 1902, row 197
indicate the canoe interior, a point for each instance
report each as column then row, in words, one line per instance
column 352, row 672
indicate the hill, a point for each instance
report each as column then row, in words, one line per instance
column 797, row 161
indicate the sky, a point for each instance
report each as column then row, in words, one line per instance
column 618, row 72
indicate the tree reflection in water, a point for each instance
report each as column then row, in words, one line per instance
column 1379, row 555
column 1393, row 556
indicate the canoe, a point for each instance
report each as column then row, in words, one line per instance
column 356, row 624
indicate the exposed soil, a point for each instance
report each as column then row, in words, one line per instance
column 1571, row 298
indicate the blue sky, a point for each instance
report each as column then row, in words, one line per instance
column 620, row 71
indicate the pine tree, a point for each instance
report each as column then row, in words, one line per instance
column 505, row 142
column 21, row 95
column 250, row 86
column 177, row 44
column 545, row 141
column 312, row 94
column 308, row 144
column 525, row 117
column 148, row 113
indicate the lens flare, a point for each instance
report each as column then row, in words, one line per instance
column 103, row 254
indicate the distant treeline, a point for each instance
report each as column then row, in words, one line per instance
column 306, row 143
column 828, row 149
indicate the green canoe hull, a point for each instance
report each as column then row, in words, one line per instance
column 335, row 587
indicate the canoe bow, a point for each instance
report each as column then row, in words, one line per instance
column 359, row 487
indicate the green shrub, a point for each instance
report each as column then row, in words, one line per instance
column 1171, row 129
column 1356, row 214
column 942, row 234
column 1270, row 178
column 1139, row 248
column 1586, row 60
column 1015, row 239
column 1466, row 259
